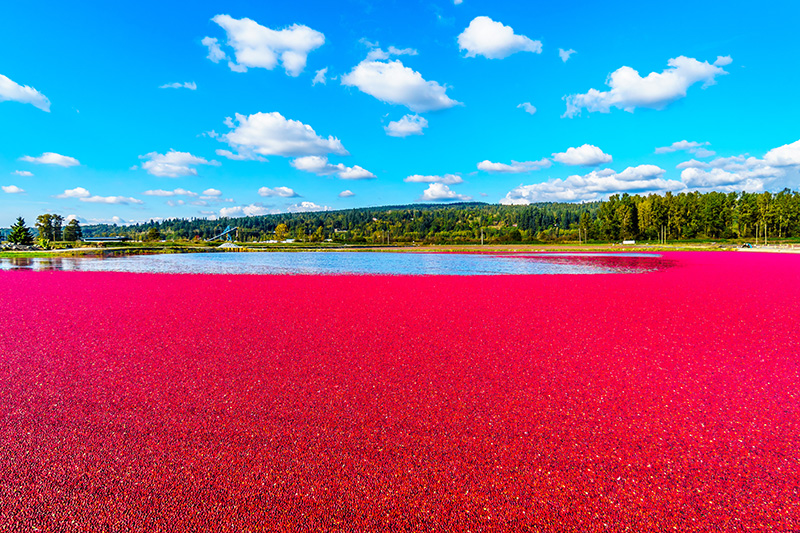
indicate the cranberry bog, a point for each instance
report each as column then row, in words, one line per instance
column 665, row 400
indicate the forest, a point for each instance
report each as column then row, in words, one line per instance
column 671, row 217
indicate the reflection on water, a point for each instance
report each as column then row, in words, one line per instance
column 352, row 263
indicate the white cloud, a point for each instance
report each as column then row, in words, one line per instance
column 85, row 196
column 376, row 53
column 175, row 192
column 215, row 52
column 346, row 194
column 394, row 83
column 214, row 193
column 173, row 164
column 192, row 86
column 117, row 220
column 283, row 192
column 458, row 2
column 722, row 180
column 439, row 192
column 51, row 158
column 23, row 173
column 320, row 166
column 587, row 155
column 655, row 91
column 306, row 207
column 527, row 107
column 448, row 179
column 77, row 192
column 408, row 125
column 493, row 40
column 564, row 54
column 320, row 76
column 256, row 46
column 786, row 155
column 692, row 147
column 730, row 174
column 263, row 134
column 12, row 189
column 124, row 200
column 14, row 92
column 593, row 186
column 252, row 210
column 723, row 61
column 516, row 167
column 355, row 173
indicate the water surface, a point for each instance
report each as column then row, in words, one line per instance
column 420, row 264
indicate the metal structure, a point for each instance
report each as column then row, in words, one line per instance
column 227, row 234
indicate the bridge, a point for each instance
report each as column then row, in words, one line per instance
column 227, row 234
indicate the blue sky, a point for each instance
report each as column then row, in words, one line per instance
column 153, row 110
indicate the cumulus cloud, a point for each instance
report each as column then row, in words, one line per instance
column 51, row 158
column 527, row 107
column 346, row 194
column 692, row 147
column 494, row 40
column 722, row 180
column 283, row 192
column 564, row 54
column 448, row 179
column 320, row 166
column 23, row 173
column 175, row 192
column 320, row 77
column 12, row 189
column 116, row 220
column 212, row 193
column 85, row 196
column 655, row 91
column 252, row 210
column 77, row 192
column 394, row 83
column 192, row 86
column 173, row 164
column 729, row 174
column 307, row 207
column 516, row 167
column 786, row 155
column 263, row 134
column 408, row 125
column 587, row 155
column 439, row 192
column 256, row 46
column 593, row 186
column 14, row 92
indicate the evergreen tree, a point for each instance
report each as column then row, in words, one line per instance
column 20, row 234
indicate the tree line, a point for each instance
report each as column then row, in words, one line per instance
column 50, row 229
column 652, row 217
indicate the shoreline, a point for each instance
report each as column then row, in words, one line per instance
column 432, row 248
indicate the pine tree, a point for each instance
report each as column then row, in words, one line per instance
column 20, row 234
